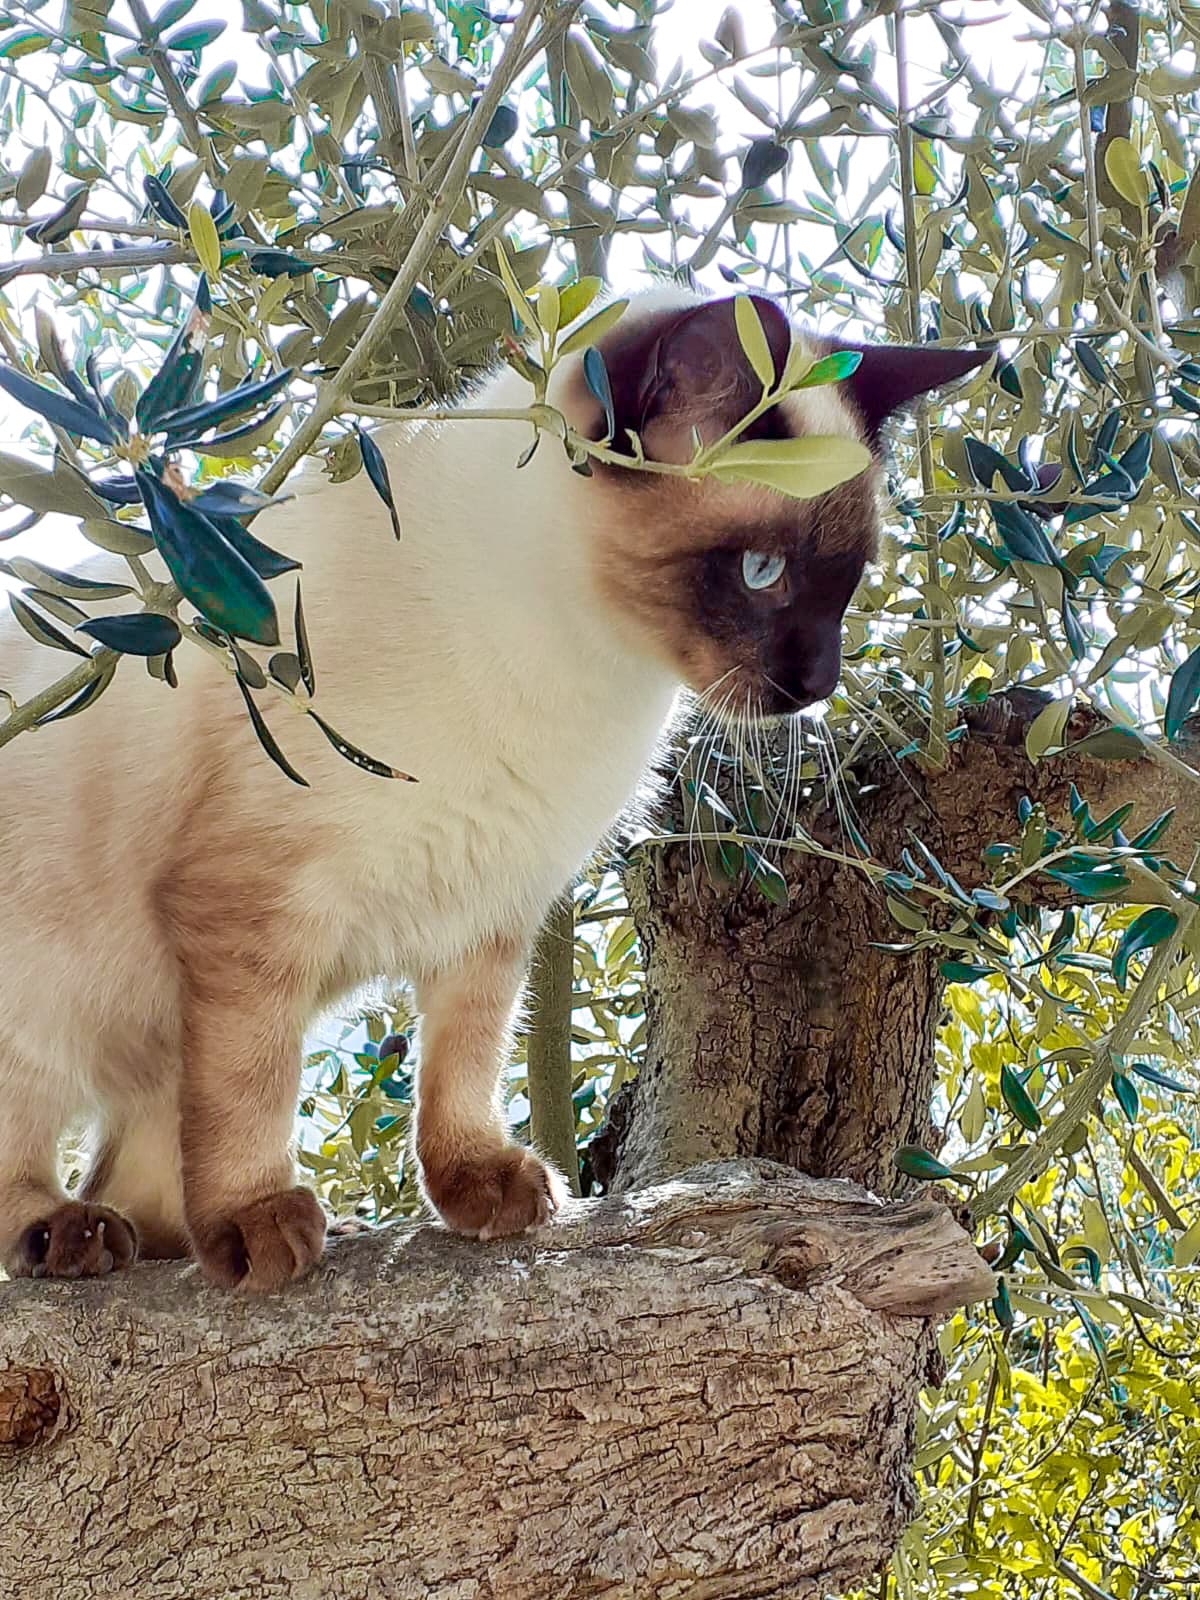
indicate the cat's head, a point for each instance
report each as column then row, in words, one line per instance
column 740, row 589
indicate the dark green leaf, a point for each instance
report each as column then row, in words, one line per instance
column 1095, row 884
column 266, row 562
column 230, row 499
column 985, row 462
column 1127, row 1096
column 306, row 666
column 762, row 160
column 57, row 408
column 501, row 128
column 1160, row 1079
column 198, row 419
column 260, row 426
column 917, row 1163
column 1023, row 537
column 1152, row 834
column 219, row 582
column 1084, row 1253
column 357, row 757
column 1091, row 363
column 267, row 739
column 376, row 469
column 770, row 881
column 177, row 379
column 53, row 230
column 963, row 971
column 270, row 263
column 41, row 628
column 595, row 375
column 1016, row 1098
column 284, row 667
column 1094, row 1335
column 118, row 491
column 1002, row 1306
column 1153, row 927
column 1183, row 693
column 142, row 633
column 162, row 204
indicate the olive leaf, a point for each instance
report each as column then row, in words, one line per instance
column 802, row 468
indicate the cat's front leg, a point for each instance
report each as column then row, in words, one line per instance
column 478, row 1181
column 251, row 1226
column 43, row 1234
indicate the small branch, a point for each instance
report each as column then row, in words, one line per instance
column 331, row 395
column 936, row 748
column 176, row 96
column 1091, row 202
column 548, row 1043
column 68, row 264
column 115, row 263
column 1082, row 1095
column 41, row 704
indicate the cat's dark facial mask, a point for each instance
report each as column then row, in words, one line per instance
column 741, row 589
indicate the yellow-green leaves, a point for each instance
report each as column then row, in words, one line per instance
column 516, row 297
column 1187, row 1246
column 801, row 468
column 202, row 231
column 548, row 309
column 575, row 299
column 753, row 340
column 1047, row 729
column 594, row 328
column 1125, row 172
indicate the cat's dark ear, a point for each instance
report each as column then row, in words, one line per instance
column 687, row 373
column 891, row 376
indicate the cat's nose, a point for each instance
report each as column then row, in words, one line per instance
column 808, row 671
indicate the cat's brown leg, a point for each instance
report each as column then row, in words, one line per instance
column 42, row 1233
column 251, row 1226
column 137, row 1173
column 477, row 1179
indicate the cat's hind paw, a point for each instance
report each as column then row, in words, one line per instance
column 77, row 1240
column 493, row 1196
column 265, row 1245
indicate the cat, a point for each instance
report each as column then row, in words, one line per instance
column 174, row 913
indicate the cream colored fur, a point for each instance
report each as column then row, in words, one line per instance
column 474, row 653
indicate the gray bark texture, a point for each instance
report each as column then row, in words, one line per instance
column 693, row 1392
column 784, row 1031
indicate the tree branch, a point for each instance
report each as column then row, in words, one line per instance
column 666, row 1394
column 331, row 395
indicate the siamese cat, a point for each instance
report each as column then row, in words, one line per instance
column 174, row 913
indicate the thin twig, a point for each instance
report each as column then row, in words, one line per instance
column 1083, row 1093
column 332, row 395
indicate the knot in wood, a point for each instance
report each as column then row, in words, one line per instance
column 30, row 1404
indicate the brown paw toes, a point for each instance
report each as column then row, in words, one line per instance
column 494, row 1196
column 264, row 1245
column 76, row 1241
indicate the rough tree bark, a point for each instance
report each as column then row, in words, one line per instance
column 777, row 1030
column 693, row 1391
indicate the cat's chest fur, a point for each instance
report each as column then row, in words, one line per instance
column 500, row 818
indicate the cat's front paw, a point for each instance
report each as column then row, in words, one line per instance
column 264, row 1245
column 492, row 1196
column 75, row 1241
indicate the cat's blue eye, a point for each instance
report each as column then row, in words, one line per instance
column 760, row 571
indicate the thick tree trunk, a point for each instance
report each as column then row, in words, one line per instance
column 780, row 1030
column 690, row 1391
